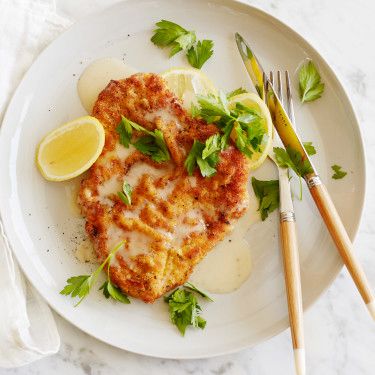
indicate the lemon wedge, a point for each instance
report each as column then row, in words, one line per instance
column 255, row 102
column 71, row 149
column 186, row 83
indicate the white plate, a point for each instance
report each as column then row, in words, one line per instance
column 38, row 220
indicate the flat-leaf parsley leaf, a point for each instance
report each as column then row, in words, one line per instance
column 184, row 309
column 125, row 131
column 199, row 53
column 235, row 92
column 291, row 158
column 152, row 144
column 204, row 155
column 126, row 194
column 310, row 85
column 169, row 34
column 339, row 173
column 267, row 193
column 111, row 290
column 310, row 149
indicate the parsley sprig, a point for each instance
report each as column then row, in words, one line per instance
column 151, row 144
column 267, row 193
column 184, row 309
column 244, row 120
column 205, row 156
column 80, row 286
column 170, row 34
column 310, row 85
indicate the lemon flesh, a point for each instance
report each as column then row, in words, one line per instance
column 187, row 83
column 253, row 101
column 71, row 149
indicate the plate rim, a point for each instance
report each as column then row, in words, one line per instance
column 282, row 325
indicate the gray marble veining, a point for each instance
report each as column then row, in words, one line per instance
column 339, row 336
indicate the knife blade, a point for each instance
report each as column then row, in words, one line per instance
column 281, row 121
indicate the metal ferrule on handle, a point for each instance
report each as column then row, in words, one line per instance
column 287, row 216
column 313, row 180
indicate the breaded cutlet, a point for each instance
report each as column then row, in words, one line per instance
column 174, row 219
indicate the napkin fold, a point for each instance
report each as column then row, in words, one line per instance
column 27, row 328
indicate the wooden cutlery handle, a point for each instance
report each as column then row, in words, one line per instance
column 292, row 281
column 342, row 240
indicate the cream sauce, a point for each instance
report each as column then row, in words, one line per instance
column 192, row 181
column 97, row 76
column 115, row 235
column 122, row 152
column 134, row 214
column 165, row 116
column 192, row 223
column 136, row 243
column 189, row 98
column 71, row 192
column 138, row 170
column 85, row 252
column 228, row 265
column 166, row 191
column 114, row 184
column 111, row 186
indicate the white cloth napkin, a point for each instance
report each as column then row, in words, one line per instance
column 27, row 327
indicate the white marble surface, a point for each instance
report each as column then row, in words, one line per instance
column 340, row 336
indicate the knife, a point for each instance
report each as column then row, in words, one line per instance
column 319, row 192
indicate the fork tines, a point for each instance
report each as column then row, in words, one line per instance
column 288, row 92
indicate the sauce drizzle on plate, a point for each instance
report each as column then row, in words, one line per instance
column 97, row 76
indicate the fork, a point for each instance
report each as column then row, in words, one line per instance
column 288, row 236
